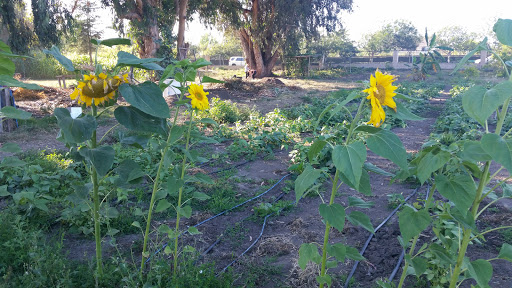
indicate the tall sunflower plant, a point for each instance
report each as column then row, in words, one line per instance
column 349, row 156
column 176, row 180
column 462, row 174
column 147, row 112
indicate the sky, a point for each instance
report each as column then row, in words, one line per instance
column 476, row 16
column 369, row 16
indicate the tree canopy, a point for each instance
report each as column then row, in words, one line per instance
column 12, row 16
column 399, row 35
column 336, row 43
column 51, row 22
column 229, row 46
column 457, row 38
column 263, row 25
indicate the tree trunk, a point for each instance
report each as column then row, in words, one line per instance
column 258, row 59
column 149, row 43
column 182, row 17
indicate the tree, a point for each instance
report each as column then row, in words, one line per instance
column 52, row 21
column 85, row 26
column 376, row 42
column 152, row 22
column 229, row 46
column 263, row 25
column 181, row 11
column 404, row 36
column 146, row 18
column 399, row 35
column 457, row 38
column 206, row 44
column 13, row 18
column 336, row 43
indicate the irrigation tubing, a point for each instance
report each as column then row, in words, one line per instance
column 402, row 255
column 373, row 234
column 222, row 235
column 221, row 213
column 258, row 238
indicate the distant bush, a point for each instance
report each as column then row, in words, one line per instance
column 42, row 66
column 227, row 111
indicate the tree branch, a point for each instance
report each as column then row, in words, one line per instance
column 131, row 16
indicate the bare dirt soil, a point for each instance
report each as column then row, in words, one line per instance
column 276, row 252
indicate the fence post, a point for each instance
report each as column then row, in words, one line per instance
column 483, row 58
column 6, row 125
column 395, row 59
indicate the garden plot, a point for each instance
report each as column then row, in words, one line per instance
column 248, row 161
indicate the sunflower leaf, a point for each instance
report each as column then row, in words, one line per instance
column 134, row 119
column 63, row 60
column 349, row 160
column 75, row 130
column 403, row 113
column 101, row 158
column 13, row 113
column 6, row 80
column 126, row 59
column 146, row 97
column 112, row 41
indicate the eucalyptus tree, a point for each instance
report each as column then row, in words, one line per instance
column 12, row 18
column 152, row 22
column 264, row 25
column 52, row 21
column 85, row 22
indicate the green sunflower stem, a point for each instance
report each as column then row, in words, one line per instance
column 178, row 206
column 156, row 185
column 328, row 228
column 96, row 201
column 323, row 269
column 355, row 120
column 466, row 234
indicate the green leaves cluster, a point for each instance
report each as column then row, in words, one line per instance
column 349, row 161
column 460, row 171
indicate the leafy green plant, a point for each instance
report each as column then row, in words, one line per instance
column 349, row 157
column 225, row 111
column 395, row 199
column 429, row 59
column 148, row 112
column 461, row 173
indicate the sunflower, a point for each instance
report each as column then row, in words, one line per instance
column 198, row 96
column 381, row 93
column 96, row 90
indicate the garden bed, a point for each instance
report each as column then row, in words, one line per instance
column 242, row 173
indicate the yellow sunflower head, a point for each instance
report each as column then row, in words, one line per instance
column 198, row 96
column 380, row 93
column 97, row 90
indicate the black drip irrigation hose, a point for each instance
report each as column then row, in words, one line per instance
column 222, row 235
column 230, row 168
column 254, row 242
column 215, row 216
column 402, row 255
column 373, row 234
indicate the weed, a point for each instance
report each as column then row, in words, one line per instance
column 395, row 199
column 236, row 235
column 225, row 111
